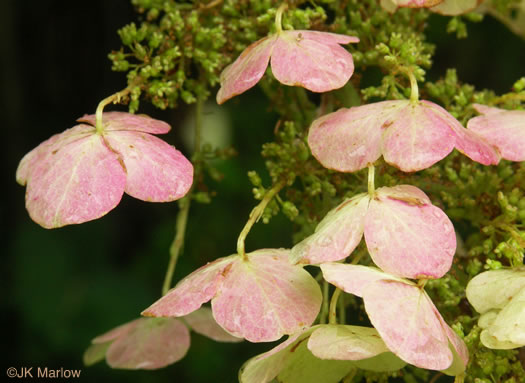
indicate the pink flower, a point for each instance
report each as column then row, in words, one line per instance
column 505, row 129
column 322, row 353
column 405, row 317
column 409, row 135
column 405, row 234
column 151, row 343
column 444, row 7
column 260, row 298
column 80, row 174
column 313, row 60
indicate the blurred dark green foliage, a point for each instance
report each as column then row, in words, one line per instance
column 63, row 287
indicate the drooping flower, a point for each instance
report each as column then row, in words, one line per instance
column 499, row 296
column 444, row 7
column 311, row 59
column 151, row 343
column 322, row 353
column 405, row 234
column 410, row 135
column 505, row 129
column 260, row 298
column 404, row 315
column 81, row 174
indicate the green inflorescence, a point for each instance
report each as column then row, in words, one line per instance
column 178, row 50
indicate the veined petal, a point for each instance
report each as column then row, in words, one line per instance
column 495, row 288
column 72, row 178
column 246, row 70
column 455, row 7
column 156, row 171
column 346, row 342
column 266, row 297
column 300, row 60
column 354, row 279
column 194, row 290
column 407, row 238
column 152, row 343
column 402, row 315
column 509, row 325
column 505, row 129
column 349, row 139
column 417, row 136
column 202, row 322
column 115, row 121
column 336, row 236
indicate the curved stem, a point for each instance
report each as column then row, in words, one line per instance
column 371, row 181
column 108, row 100
column 279, row 17
column 255, row 215
column 332, row 318
column 414, row 89
column 184, row 203
column 324, row 308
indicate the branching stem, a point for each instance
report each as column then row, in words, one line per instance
column 255, row 214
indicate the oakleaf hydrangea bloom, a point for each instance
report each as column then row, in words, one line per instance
column 322, row 353
column 81, row 174
column 505, row 129
column 151, row 343
column 260, row 298
column 405, row 234
column 410, row 135
column 499, row 296
column 404, row 315
column 311, row 59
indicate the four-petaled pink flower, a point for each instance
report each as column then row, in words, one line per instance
column 405, row 234
column 81, row 174
column 151, row 343
column 260, row 298
column 404, row 315
column 505, row 129
column 311, row 59
column 411, row 135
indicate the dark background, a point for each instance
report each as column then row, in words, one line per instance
column 62, row 287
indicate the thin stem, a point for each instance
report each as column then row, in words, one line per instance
column 459, row 378
column 255, row 214
column 108, row 100
column 342, row 308
column 436, row 377
column 324, row 308
column 184, row 203
column 332, row 317
column 371, row 181
column 414, row 89
column 178, row 241
column 279, row 17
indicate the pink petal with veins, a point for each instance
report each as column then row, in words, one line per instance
column 266, row 297
column 113, row 121
column 152, row 343
column 417, row 136
column 505, row 129
column 300, row 60
column 194, row 290
column 202, row 322
column 405, row 319
column 408, row 236
column 71, row 178
column 350, row 139
column 246, row 70
column 353, row 279
column 156, row 171
column 336, row 236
